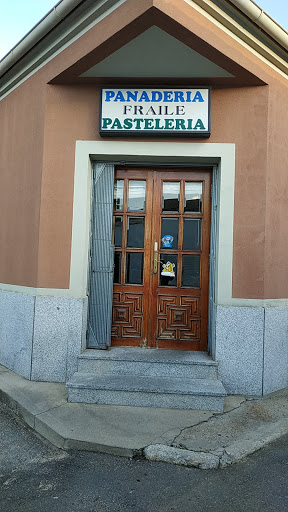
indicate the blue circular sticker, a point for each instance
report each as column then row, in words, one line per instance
column 167, row 241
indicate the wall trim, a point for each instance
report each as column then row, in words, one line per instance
column 222, row 155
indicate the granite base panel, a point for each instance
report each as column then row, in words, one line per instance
column 57, row 341
column 275, row 372
column 41, row 337
column 252, row 349
column 239, row 348
column 16, row 331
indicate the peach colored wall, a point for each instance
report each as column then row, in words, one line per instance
column 241, row 116
column 21, row 147
column 71, row 114
column 38, row 241
column 276, row 232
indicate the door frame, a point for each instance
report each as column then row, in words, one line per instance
column 220, row 155
column 213, row 211
column 210, row 290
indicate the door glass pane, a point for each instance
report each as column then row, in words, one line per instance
column 118, row 232
column 134, row 267
column 191, row 270
column 118, row 195
column 117, row 267
column 135, row 231
column 193, row 197
column 169, row 233
column 192, row 234
column 136, row 197
column 171, row 194
column 167, row 268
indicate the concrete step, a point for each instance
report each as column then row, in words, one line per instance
column 142, row 391
column 148, row 362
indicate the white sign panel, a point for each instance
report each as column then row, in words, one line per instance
column 156, row 111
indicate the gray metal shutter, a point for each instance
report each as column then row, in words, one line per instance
column 101, row 258
column 213, row 236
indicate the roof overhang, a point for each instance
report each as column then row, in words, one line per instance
column 66, row 23
column 161, row 26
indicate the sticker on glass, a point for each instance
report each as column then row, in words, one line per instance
column 167, row 241
column 168, row 269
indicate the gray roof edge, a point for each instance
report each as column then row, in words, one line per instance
column 40, row 45
column 263, row 20
column 64, row 8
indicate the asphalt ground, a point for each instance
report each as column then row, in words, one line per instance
column 37, row 477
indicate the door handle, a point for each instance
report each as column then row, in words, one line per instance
column 155, row 258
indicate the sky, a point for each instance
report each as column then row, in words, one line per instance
column 17, row 17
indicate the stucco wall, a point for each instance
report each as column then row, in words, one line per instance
column 71, row 114
column 21, row 153
column 276, row 218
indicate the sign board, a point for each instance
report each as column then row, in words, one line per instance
column 142, row 112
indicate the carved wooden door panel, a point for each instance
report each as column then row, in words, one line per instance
column 179, row 302
column 161, row 236
column 133, row 195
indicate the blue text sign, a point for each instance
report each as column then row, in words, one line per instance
column 155, row 112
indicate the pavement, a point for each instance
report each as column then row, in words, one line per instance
column 201, row 439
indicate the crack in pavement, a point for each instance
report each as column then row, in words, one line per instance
column 48, row 410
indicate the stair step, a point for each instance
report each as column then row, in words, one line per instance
column 141, row 391
column 148, row 362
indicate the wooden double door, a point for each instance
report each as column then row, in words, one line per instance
column 161, row 229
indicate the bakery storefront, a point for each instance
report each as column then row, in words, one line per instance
column 144, row 202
